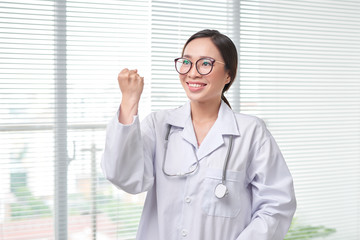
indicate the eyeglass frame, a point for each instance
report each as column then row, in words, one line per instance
column 191, row 64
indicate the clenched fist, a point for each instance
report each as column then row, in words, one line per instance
column 131, row 85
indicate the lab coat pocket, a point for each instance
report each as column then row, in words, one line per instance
column 228, row 206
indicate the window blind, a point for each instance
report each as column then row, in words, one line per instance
column 26, row 119
column 300, row 71
column 58, row 77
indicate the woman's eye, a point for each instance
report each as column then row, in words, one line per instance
column 206, row 63
column 186, row 62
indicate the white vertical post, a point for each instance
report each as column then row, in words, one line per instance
column 61, row 157
column 236, row 39
column 93, row 151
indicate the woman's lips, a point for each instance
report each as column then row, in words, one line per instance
column 195, row 86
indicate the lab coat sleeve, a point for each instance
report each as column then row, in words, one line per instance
column 273, row 197
column 127, row 158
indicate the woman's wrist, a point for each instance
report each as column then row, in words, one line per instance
column 127, row 111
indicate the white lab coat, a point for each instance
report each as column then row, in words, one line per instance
column 260, row 203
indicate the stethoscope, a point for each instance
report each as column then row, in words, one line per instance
column 220, row 189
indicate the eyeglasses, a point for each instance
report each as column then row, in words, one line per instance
column 204, row 65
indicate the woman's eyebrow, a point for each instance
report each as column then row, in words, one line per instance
column 189, row 56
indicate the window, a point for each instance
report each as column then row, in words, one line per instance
column 299, row 71
column 59, row 62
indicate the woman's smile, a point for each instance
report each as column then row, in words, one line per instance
column 195, row 86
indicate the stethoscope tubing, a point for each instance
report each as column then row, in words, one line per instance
column 221, row 185
column 227, row 158
column 165, row 151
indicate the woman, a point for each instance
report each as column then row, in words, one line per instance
column 209, row 173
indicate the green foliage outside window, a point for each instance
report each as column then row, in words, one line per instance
column 27, row 205
column 305, row 232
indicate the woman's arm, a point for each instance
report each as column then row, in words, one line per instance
column 128, row 153
column 273, row 197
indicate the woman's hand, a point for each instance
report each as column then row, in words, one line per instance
column 131, row 85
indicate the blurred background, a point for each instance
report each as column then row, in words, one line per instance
column 299, row 70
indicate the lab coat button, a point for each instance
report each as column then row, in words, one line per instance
column 184, row 232
column 187, row 199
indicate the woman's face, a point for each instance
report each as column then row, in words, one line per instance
column 204, row 88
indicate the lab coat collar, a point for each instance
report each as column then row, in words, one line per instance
column 227, row 120
column 225, row 124
column 177, row 117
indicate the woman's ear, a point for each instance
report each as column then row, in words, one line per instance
column 228, row 78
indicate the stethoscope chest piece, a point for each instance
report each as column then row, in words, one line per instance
column 221, row 190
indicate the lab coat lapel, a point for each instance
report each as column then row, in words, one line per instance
column 189, row 134
column 212, row 141
column 224, row 125
column 181, row 118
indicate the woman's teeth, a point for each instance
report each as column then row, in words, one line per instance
column 196, row 85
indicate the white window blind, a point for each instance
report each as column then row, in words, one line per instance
column 300, row 71
column 58, row 75
column 59, row 60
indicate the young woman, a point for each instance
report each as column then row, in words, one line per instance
column 209, row 173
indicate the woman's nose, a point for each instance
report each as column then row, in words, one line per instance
column 193, row 73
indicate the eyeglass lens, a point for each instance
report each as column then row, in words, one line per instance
column 203, row 65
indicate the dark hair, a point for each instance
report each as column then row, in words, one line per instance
column 228, row 52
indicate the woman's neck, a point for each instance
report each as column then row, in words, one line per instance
column 204, row 111
column 203, row 117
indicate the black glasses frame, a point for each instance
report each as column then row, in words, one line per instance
column 191, row 64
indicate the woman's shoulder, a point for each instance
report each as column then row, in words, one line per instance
column 244, row 121
column 248, row 118
column 251, row 123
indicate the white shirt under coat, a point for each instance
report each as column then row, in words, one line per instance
column 261, row 200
